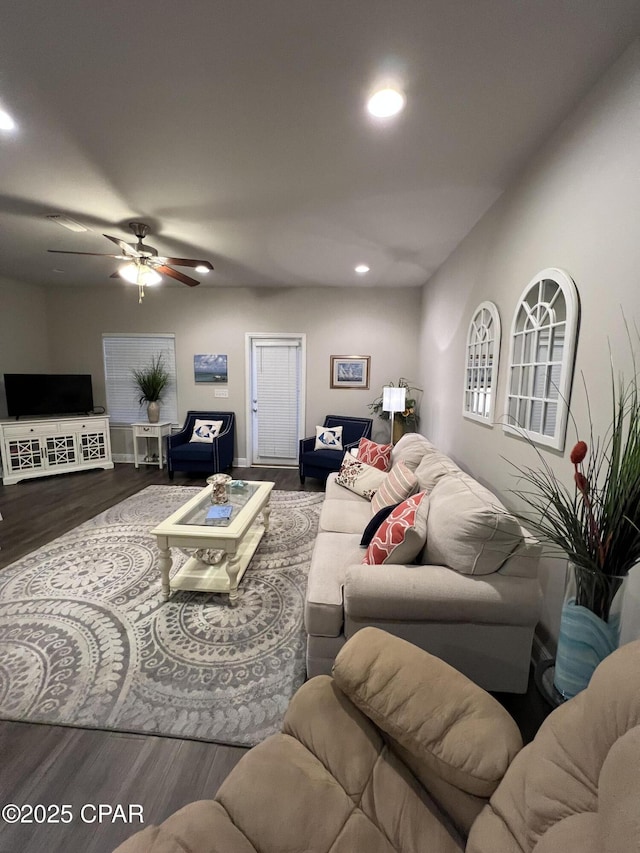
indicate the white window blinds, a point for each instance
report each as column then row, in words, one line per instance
column 278, row 389
column 124, row 353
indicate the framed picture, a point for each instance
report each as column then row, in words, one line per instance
column 350, row 371
column 210, row 368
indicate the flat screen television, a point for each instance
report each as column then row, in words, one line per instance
column 38, row 394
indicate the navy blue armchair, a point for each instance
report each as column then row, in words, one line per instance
column 320, row 463
column 206, row 457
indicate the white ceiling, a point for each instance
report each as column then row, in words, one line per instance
column 237, row 129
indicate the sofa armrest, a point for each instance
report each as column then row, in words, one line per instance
column 439, row 594
column 451, row 728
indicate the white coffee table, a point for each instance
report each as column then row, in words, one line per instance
column 238, row 537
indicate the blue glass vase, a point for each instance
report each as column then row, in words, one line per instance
column 589, row 626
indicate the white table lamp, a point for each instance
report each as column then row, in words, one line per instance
column 393, row 400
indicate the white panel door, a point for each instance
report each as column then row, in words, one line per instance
column 276, row 398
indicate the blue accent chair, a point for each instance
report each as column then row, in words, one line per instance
column 206, row 457
column 320, row 463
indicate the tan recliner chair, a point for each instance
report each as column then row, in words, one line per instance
column 400, row 752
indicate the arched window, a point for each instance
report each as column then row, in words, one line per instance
column 481, row 364
column 543, row 339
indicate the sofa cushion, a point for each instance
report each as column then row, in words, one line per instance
column 378, row 455
column 468, row 529
column 374, row 523
column 398, row 484
column 432, row 467
column 323, row 606
column 360, row 478
column 205, row 431
column 401, row 537
column 345, row 516
column 328, row 438
column 410, row 449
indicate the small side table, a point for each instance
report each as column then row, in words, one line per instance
column 146, row 430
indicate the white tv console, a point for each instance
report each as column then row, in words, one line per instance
column 44, row 446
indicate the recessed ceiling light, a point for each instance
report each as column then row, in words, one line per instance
column 6, row 122
column 202, row 269
column 361, row 269
column 386, row 103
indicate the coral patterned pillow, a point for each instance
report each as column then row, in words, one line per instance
column 378, row 455
column 403, row 535
column 400, row 482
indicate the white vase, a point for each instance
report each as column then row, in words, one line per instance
column 153, row 412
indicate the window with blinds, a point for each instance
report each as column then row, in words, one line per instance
column 481, row 370
column 543, row 338
column 277, row 383
column 124, row 353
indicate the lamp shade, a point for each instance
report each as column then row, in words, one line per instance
column 393, row 399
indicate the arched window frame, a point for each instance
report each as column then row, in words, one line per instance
column 482, row 356
column 541, row 359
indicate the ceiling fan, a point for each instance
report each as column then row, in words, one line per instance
column 144, row 266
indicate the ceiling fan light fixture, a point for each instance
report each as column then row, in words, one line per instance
column 202, row 269
column 140, row 274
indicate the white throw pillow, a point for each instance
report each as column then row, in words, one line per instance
column 205, row 431
column 328, row 438
column 359, row 477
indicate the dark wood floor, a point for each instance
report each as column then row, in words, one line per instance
column 59, row 765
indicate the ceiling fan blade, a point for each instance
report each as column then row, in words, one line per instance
column 126, row 248
column 95, row 254
column 179, row 276
column 185, row 262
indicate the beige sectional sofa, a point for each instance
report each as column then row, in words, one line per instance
column 472, row 597
column 399, row 753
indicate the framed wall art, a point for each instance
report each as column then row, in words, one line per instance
column 210, row 368
column 350, row 371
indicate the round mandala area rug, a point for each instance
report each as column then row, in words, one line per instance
column 87, row 639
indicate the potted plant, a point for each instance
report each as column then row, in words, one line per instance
column 596, row 524
column 406, row 421
column 151, row 382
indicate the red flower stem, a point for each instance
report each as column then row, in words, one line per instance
column 595, row 537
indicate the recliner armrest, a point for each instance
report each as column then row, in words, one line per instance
column 450, row 727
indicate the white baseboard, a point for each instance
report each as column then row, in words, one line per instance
column 241, row 462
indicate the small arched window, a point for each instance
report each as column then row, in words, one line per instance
column 481, row 363
column 541, row 357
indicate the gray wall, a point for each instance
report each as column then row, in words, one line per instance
column 24, row 337
column 577, row 207
column 381, row 323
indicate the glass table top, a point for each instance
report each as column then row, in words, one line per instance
column 239, row 492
